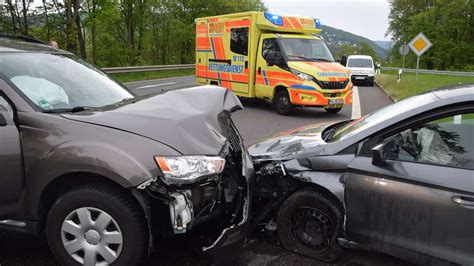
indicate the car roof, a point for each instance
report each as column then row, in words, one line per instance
column 15, row 43
column 462, row 90
column 360, row 56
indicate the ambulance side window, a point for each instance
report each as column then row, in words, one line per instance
column 268, row 45
column 239, row 40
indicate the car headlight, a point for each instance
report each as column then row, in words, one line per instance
column 301, row 75
column 189, row 168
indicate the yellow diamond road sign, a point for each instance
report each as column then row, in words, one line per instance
column 420, row 44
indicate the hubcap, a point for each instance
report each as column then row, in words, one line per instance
column 312, row 227
column 91, row 236
column 283, row 103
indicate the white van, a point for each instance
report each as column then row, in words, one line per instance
column 361, row 68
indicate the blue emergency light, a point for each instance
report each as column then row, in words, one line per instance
column 275, row 19
column 317, row 22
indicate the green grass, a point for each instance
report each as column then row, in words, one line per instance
column 409, row 86
column 138, row 76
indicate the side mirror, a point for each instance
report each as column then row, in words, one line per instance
column 3, row 121
column 380, row 155
column 344, row 60
column 274, row 58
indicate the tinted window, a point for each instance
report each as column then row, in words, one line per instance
column 447, row 141
column 239, row 40
column 54, row 81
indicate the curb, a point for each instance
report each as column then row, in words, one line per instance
column 385, row 92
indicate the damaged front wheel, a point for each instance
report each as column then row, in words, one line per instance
column 309, row 224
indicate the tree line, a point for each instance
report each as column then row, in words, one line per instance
column 448, row 24
column 118, row 32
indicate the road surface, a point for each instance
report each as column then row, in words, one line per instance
column 256, row 122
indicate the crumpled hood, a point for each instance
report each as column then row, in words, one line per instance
column 323, row 71
column 193, row 121
column 290, row 144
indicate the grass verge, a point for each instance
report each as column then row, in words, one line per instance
column 409, row 86
column 138, row 76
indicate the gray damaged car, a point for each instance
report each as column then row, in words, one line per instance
column 104, row 173
column 399, row 181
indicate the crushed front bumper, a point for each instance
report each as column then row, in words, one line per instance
column 229, row 243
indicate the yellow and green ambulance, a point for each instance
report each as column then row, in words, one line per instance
column 276, row 58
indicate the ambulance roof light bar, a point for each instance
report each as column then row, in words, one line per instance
column 275, row 19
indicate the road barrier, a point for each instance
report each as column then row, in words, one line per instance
column 112, row 70
column 133, row 69
column 435, row 72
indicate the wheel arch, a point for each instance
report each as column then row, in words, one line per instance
column 68, row 181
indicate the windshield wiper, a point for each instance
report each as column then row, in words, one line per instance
column 74, row 109
column 321, row 59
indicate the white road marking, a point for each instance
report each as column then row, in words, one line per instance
column 155, row 85
column 355, row 103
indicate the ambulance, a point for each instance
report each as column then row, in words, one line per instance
column 276, row 58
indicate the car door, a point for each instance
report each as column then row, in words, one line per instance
column 11, row 166
column 417, row 204
column 267, row 76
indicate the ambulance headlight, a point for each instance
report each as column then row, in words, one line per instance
column 301, row 75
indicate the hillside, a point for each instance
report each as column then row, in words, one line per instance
column 336, row 37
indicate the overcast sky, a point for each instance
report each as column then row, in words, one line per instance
column 367, row 18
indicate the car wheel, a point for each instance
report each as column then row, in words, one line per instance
column 333, row 110
column 309, row 224
column 282, row 103
column 93, row 225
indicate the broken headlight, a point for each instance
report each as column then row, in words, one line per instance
column 186, row 169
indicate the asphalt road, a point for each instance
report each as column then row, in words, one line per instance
column 256, row 122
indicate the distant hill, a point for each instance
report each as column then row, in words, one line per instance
column 336, row 37
column 386, row 45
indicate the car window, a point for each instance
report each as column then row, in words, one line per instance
column 447, row 141
column 57, row 81
column 360, row 62
column 4, row 103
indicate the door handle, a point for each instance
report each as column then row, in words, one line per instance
column 259, row 70
column 464, row 201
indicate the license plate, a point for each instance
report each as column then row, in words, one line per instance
column 359, row 77
column 335, row 101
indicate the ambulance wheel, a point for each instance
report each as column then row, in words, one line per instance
column 333, row 110
column 282, row 103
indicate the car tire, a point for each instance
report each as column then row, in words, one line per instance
column 98, row 224
column 309, row 224
column 333, row 110
column 282, row 103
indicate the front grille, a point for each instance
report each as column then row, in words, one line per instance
column 234, row 139
column 332, row 85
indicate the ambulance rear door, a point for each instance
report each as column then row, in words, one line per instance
column 203, row 48
column 230, row 41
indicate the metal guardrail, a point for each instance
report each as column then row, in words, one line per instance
column 113, row 70
column 435, row 72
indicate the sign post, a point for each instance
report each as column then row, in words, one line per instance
column 404, row 50
column 419, row 45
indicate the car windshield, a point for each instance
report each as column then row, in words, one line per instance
column 299, row 49
column 359, row 62
column 370, row 120
column 60, row 82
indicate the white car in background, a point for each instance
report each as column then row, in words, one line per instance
column 361, row 68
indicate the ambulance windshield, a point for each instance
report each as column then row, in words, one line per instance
column 299, row 49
